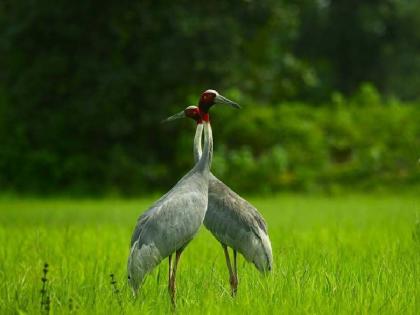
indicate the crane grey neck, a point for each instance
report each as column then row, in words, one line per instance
column 204, row 164
column 197, row 142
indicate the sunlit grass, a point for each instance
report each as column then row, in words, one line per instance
column 351, row 254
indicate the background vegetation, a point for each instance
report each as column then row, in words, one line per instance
column 83, row 86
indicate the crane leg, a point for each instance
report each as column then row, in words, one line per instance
column 172, row 280
column 231, row 274
column 170, row 272
column 235, row 271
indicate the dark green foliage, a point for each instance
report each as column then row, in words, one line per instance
column 348, row 42
column 354, row 143
column 83, row 86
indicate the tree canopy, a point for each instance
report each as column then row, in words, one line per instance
column 83, row 84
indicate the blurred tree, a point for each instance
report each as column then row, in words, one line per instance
column 87, row 82
column 83, row 85
column 349, row 42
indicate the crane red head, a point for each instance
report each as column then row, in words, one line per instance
column 192, row 112
column 211, row 97
column 201, row 113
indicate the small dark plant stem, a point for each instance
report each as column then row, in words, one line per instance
column 45, row 301
column 116, row 291
column 47, row 304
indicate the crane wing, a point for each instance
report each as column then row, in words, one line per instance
column 172, row 221
column 232, row 207
column 237, row 224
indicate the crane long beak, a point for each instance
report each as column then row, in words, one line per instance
column 219, row 99
column 174, row 117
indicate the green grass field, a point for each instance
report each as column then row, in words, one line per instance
column 356, row 254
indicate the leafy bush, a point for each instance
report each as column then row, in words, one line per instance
column 361, row 142
column 356, row 143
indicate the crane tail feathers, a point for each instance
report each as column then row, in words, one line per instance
column 263, row 254
column 141, row 261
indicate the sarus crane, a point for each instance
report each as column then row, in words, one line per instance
column 173, row 220
column 232, row 220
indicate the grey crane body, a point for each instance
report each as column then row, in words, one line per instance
column 163, row 217
column 234, row 222
column 172, row 221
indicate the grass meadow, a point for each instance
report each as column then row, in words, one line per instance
column 355, row 254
